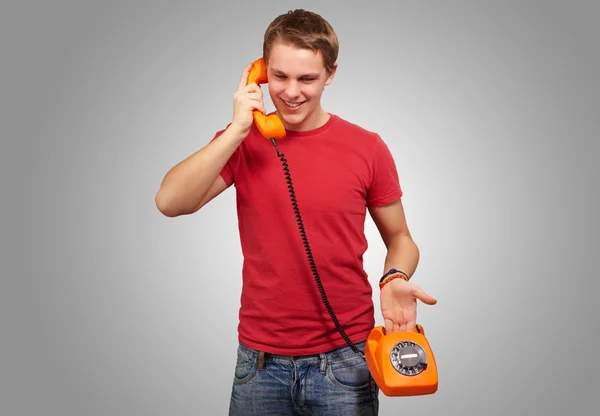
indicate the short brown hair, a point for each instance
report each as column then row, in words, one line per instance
column 305, row 30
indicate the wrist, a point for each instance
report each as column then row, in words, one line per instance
column 391, row 275
column 237, row 133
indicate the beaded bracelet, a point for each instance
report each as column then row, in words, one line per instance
column 391, row 275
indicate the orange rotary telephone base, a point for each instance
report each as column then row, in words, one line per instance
column 401, row 363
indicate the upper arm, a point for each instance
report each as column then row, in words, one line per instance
column 216, row 188
column 390, row 220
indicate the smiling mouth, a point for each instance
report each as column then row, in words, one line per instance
column 293, row 105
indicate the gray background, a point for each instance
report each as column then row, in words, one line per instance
column 490, row 109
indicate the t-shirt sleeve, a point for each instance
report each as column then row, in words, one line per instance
column 385, row 183
column 227, row 173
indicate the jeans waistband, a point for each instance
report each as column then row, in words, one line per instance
column 337, row 354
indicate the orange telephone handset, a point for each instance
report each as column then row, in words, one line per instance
column 269, row 126
column 401, row 363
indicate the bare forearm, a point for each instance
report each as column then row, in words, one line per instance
column 402, row 254
column 184, row 186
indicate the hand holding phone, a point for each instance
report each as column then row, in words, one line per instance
column 249, row 104
column 246, row 100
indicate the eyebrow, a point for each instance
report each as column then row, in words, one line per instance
column 311, row 75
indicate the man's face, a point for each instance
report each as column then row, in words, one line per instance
column 297, row 78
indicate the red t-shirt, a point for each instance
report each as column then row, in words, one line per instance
column 337, row 170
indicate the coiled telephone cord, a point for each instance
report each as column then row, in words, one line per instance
column 311, row 260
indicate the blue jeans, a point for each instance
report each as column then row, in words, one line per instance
column 334, row 383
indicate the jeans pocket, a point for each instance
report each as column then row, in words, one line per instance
column 350, row 373
column 245, row 366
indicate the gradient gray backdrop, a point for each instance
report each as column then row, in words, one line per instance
column 491, row 110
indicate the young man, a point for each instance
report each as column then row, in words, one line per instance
column 291, row 357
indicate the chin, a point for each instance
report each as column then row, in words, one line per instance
column 291, row 119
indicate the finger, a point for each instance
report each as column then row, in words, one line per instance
column 396, row 327
column 402, row 327
column 242, row 97
column 424, row 297
column 244, row 79
column 410, row 325
column 252, row 87
column 255, row 94
column 252, row 90
column 258, row 105
column 389, row 326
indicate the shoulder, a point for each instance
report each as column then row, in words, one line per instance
column 355, row 128
column 368, row 139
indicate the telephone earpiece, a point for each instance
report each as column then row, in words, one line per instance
column 401, row 363
column 269, row 126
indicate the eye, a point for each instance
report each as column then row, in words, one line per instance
column 307, row 79
column 279, row 76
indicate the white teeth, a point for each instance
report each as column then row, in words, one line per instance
column 292, row 104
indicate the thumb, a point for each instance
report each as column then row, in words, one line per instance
column 424, row 297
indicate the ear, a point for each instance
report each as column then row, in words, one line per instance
column 331, row 74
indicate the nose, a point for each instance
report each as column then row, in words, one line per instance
column 292, row 89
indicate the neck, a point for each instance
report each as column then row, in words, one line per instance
column 314, row 121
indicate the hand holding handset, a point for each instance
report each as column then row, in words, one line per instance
column 269, row 126
column 401, row 363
